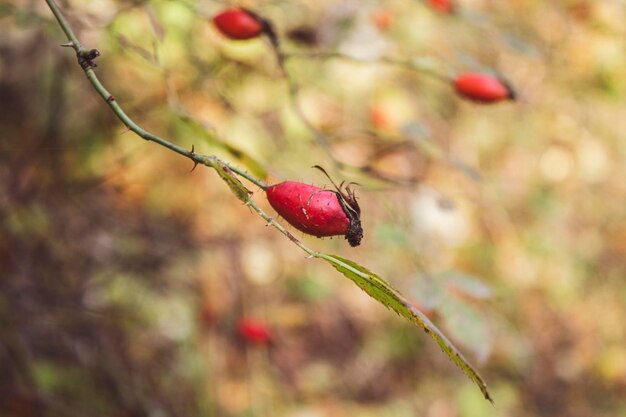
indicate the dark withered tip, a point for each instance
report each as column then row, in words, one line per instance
column 512, row 94
column 355, row 232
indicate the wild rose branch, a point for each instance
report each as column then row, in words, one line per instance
column 287, row 198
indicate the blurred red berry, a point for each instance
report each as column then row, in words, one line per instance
column 442, row 6
column 382, row 18
column 380, row 117
column 254, row 331
column 238, row 24
column 317, row 211
column 483, row 88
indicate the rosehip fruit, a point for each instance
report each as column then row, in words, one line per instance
column 483, row 88
column 381, row 117
column 442, row 6
column 239, row 24
column 382, row 18
column 316, row 211
column 254, row 331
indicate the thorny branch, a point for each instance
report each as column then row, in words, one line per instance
column 366, row 280
column 85, row 58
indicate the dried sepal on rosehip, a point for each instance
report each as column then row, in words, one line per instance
column 304, row 35
column 483, row 88
column 317, row 211
column 351, row 208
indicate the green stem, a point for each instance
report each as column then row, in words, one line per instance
column 207, row 160
column 65, row 26
column 119, row 112
column 245, row 174
column 293, row 92
column 271, row 221
column 124, row 118
column 402, row 63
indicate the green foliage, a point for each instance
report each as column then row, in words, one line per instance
column 238, row 189
column 384, row 293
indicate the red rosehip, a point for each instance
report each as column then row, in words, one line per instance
column 316, row 211
column 382, row 18
column 254, row 331
column 381, row 117
column 483, row 88
column 308, row 208
column 442, row 6
column 239, row 24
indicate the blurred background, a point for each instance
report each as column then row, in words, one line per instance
column 130, row 286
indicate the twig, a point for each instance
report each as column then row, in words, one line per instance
column 85, row 59
column 410, row 65
column 294, row 92
column 321, row 138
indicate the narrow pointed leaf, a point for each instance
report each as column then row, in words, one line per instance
column 384, row 293
column 240, row 191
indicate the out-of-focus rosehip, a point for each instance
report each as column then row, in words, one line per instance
column 381, row 117
column 254, row 331
column 239, row 24
column 483, row 88
column 442, row 6
column 316, row 211
column 382, row 18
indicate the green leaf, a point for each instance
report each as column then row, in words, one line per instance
column 235, row 185
column 383, row 292
column 205, row 133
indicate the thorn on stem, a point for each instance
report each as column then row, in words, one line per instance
column 192, row 154
column 69, row 44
